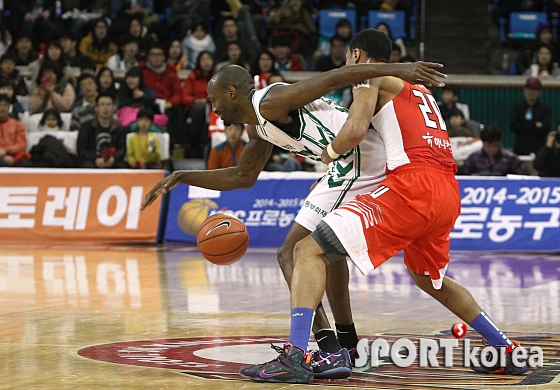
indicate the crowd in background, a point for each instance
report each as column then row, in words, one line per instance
column 58, row 61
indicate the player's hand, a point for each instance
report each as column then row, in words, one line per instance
column 421, row 73
column 161, row 187
column 325, row 157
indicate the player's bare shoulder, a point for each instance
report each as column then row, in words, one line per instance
column 252, row 132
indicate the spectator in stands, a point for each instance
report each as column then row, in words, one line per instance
column 185, row 12
column 343, row 28
column 230, row 33
column 242, row 15
column 35, row 17
column 450, row 101
column 6, row 39
column 23, row 50
column 69, row 42
column 194, row 100
column 13, row 140
column 234, row 56
column 293, row 18
column 134, row 93
column 102, row 142
column 127, row 56
column 84, row 108
column 88, row 66
column 384, row 27
column 97, row 45
column 9, row 72
column 52, row 90
column 88, row 8
column 282, row 161
column 457, row 124
column 544, row 65
column 529, row 52
column 336, row 59
column 50, row 121
column 547, row 161
column 175, row 56
column 197, row 40
column 137, row 29
column 285, row 59
column 227, row 153
column 493, row 159
column 106, row 81
column 53, row 53
column 265, row 72
column 125, row 10
column 530, row 119
column 143, row 150
column 395, row 54
column 161, row 76
column 7, row 88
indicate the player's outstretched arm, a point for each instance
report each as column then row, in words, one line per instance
column 297, row 95
column 356, row 126
column 252, row 161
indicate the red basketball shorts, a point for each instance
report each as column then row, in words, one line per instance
column 413, row 209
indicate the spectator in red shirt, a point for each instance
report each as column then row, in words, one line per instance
column 227, row 153
column 161, row 76
column 285, row 59
column 12, row 137
column 194, row 100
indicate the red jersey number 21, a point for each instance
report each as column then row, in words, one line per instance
column 429, row 106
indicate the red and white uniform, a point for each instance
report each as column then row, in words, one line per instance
column 415, row 207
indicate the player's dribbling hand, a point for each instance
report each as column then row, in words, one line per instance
column 161, row 187
column 421, row 73
column 325, row 157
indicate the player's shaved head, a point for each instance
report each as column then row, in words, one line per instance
column 235, row 76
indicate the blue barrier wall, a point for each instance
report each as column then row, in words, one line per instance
column 497, row 214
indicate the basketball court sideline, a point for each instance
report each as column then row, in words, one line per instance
column 133, row 317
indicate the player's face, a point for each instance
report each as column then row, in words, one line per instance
column 222, row 106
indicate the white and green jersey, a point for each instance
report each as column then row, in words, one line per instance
column 313, row 127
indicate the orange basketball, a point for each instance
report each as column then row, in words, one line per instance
column 222, row 239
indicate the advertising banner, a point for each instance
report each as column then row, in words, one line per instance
column 497, row 213
column 66, row 205
column 508, row 214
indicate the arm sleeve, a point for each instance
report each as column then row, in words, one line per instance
column 84, row 153
column 130, row 151
column 188, row 97
column 120, row 144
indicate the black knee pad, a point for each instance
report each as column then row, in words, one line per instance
column 329, row 242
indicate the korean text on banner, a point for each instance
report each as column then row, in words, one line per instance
column 63, row 205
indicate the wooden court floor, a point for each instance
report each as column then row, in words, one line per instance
column 146, row 317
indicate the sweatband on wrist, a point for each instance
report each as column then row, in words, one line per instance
column 332, row 154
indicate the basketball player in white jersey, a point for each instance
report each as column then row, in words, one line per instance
column 296, row 118
column 413, row 209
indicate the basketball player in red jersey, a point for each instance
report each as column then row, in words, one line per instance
column 413, row 209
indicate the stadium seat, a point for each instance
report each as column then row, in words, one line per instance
column 523, row 25
column 329, row 17
column 396, row 20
